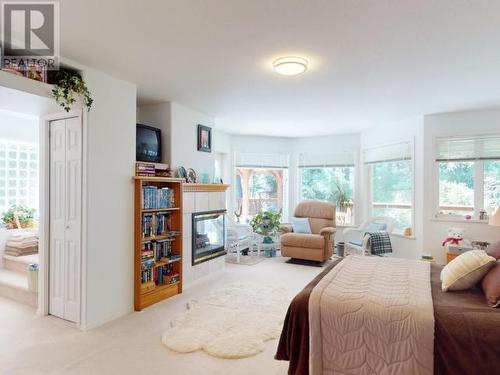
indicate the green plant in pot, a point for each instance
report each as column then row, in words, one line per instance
column 266, row 224
column 70, row 86
column 18, row 217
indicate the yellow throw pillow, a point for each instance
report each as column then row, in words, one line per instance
column 466, row 270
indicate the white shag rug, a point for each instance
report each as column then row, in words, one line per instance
column 233, row 322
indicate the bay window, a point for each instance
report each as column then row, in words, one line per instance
column 390, row 179
column 468, row 175
column 261, row 184
column 329, row 178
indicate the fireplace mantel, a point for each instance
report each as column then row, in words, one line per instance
column 205, row 187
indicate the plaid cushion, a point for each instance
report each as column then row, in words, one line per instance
column 380, row 243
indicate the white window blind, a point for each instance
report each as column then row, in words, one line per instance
column 395, row 152
column 339, row 159
column 468, row 148
column 258, row 160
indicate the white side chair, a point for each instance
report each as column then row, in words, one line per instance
column 354, row 238
column 238, row 238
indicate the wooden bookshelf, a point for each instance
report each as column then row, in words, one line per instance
column 151, row 292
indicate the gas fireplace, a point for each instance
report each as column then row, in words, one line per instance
column 208, row 235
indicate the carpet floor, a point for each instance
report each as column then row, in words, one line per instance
column 132, row 345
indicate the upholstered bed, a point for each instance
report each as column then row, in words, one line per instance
column 428, row 331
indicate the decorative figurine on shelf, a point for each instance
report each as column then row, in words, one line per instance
column 238, row 213
column 455, row 236
column 483, row 215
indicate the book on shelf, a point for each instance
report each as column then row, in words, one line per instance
column 148, row 169
column 161, row 275
column 156, row 224
column 157, row 250
column 145, row 169
column 154, row 197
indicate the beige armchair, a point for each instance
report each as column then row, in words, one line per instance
column 318, row 245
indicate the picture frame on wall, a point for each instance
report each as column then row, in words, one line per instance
column 204, row 138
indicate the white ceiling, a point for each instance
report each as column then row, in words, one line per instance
column 371, row 61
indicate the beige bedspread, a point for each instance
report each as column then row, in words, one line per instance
column 372, row 315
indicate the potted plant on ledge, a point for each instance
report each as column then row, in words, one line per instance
column 17, row 217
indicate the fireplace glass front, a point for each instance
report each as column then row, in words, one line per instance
column 208, row 235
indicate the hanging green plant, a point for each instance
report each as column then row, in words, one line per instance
column 69, row 86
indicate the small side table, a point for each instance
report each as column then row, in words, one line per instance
column 452, row 251
column 450, row 256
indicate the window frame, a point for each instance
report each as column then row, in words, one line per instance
column 478, row 183
column 354, row 187
column 368, row 172
column 285, row 183
column 478, row 187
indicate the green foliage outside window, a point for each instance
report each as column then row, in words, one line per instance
column 491, row 184
column 329, row 184
column 392, row 183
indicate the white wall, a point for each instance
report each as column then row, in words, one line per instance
column 403, row 131
column 222, row 145
column 18, row 127
column 179, row 126
column 466, row 123
column 221, row 141
column 158, row 116
column 110, row 199
column 184, row 144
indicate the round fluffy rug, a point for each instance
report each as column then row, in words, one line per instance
column 233, row 322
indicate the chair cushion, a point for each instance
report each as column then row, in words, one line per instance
column 376, row 227
column 301, row 225
column 312, row 241
column 317, row 224
column 316, row 209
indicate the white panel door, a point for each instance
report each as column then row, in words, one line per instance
column 57, row 217
column 66, row 201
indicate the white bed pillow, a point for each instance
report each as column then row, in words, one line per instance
column 466, row 270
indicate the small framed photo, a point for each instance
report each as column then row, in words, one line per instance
column 204, row 138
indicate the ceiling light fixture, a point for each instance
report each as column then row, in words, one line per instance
column 290, row 65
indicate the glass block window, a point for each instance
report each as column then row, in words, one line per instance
column 18, row 174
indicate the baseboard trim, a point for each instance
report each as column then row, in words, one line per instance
column 93, row 325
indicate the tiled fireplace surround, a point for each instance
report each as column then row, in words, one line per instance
column 199, row 201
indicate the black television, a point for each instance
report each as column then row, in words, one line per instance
column 148, row 144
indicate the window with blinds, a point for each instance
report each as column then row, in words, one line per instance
column 389, row 172
column 469, row 176
column 329, row 177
